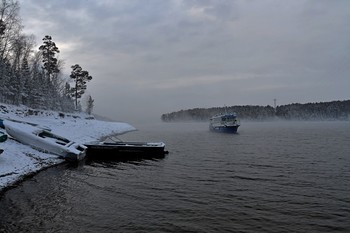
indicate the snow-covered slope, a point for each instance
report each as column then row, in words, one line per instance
column 19, row 160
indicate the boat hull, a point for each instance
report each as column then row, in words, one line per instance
column 45, row 141
column 125, row 151
column 224, row 129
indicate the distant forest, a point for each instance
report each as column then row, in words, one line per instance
column 334, row 110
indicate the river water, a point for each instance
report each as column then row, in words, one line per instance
column 271, row 177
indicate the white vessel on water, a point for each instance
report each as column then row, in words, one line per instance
column 227, row 123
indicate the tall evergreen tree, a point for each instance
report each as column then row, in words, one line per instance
column 80, row 77
column 2, row 27
column 37, row 97
column 6, row 89
column 50, row 87
column 49, row 50
column 67, row 103
column 26, row 79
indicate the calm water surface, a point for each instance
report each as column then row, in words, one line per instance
column 271, row 177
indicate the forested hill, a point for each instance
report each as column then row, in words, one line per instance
column 334, row 110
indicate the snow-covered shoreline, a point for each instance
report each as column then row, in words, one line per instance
column 18, row 160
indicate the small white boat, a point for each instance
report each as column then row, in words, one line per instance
column 44, row 140
column 26, row 122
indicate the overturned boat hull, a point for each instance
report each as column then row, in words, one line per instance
column 45, row 141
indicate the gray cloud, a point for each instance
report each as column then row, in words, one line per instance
column 156, row 56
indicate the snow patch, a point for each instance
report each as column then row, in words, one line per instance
column 19, row 160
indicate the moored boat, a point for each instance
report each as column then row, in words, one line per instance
column 227, row 123
column 120, row 150
column 44, row 140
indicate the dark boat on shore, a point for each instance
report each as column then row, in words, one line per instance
column 226, row 123
column 119, row 150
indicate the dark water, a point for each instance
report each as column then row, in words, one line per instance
column 271, row 177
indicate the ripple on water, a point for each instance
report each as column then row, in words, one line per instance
column 271, row 177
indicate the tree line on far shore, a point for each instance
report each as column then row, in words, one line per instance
column 34, row 78
column 334, row 110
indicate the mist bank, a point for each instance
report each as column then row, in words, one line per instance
column 333, row 110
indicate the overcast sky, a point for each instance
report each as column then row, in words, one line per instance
column 149, row 57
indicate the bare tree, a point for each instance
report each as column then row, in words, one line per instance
column 10, row 26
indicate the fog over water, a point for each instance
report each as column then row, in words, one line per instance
column 270, row 177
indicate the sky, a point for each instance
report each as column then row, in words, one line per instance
column 149, row 57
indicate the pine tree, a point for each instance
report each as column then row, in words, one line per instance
column 50, row 87
column 6, row 89
column 2, row 27
column 27, row 82
column 80, row 78
column 49, row 50
column 67, row 104
column 37, row 96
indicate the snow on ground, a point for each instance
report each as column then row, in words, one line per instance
column 18, row 160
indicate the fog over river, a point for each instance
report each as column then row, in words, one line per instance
column 270, row 177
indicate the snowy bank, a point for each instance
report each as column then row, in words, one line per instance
column 19, row 160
